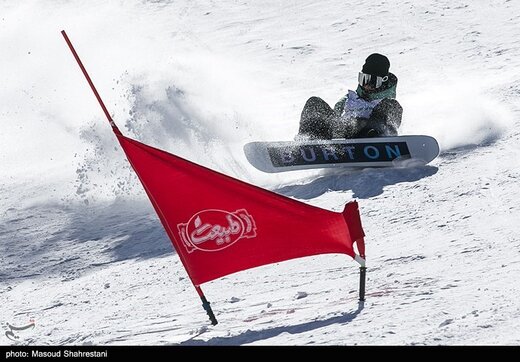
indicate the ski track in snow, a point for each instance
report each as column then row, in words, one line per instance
column 83, row 253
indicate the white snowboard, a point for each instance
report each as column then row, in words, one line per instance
column 398, row 151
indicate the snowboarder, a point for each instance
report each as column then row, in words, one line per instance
column 370, row 111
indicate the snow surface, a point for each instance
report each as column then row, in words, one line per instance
column 83, row 253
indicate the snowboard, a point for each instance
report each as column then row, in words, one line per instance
column 396, row 151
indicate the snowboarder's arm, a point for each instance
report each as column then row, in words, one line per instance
column 338, row 108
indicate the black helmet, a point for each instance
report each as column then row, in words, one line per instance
column 376, row 64
column 374, row 71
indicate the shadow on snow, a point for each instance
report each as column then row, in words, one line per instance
column 53, row 239
column 250, row 336
column 364, row 183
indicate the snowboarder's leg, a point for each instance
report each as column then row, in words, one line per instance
column 316, row 119
column 346, row 127
column 386, row 117
column 384, row 120
column 372, row 129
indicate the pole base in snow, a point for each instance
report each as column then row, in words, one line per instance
column 362, row 280
column 209, row 311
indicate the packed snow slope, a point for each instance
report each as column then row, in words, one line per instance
column 83, row 254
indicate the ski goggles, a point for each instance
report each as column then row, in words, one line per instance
column 375, row 80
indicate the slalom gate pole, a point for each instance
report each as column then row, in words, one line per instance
column 206, row 306
column 362, row 280
column 116, row 130
column 362, row 277
column 98, row 97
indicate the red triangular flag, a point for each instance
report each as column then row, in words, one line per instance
column 220, row 225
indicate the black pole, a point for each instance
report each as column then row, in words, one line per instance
column 209, row 311
column 362, row 280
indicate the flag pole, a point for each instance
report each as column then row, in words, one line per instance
column 116, row 130
column 98, row 97
column 362, row 275
column 362, row 279
column 351, row 213
column 206, row 305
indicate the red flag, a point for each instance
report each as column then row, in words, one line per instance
column 220, row 225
